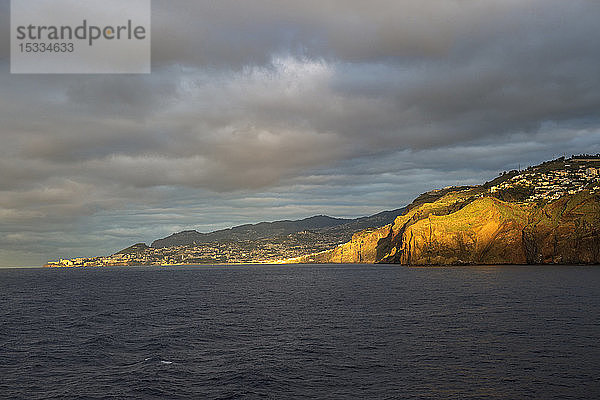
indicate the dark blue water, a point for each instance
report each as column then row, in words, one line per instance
column 300, row 332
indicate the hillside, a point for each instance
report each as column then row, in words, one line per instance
column 320, row 224
column 249, row 232
column 548, row 214
column 262, row 242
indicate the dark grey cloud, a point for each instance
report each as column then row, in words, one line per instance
column 265, row 110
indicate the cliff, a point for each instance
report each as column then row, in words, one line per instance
column 468, row 226
column 361, row 249
column 566, row 231
column 485, row 231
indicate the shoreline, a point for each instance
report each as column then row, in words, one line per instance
column 259, row 264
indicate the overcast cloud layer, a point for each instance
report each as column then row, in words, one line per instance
column 262, row 110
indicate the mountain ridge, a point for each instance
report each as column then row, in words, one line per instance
column 262, row 230
column 259, row 230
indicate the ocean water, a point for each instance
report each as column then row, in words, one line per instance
column 300, row 332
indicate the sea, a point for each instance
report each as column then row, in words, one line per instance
column 300, row 332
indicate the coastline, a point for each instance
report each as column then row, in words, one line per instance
column 260, row 264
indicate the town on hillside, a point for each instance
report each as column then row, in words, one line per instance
column 272, row 250
column 552, row 180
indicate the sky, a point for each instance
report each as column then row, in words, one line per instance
column 264, row 110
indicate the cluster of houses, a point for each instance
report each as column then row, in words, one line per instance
column 204, row 253
column 114, row 260
column 573, row 176
column 149, row 256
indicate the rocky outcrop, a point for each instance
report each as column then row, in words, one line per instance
column 566, row 231
column 361, row 249
column 486, row 231
column 469, row 227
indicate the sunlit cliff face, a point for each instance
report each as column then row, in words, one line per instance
column 262, row 111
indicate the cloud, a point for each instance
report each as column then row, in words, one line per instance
column 271, row 109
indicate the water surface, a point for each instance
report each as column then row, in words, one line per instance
column 301, row 332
